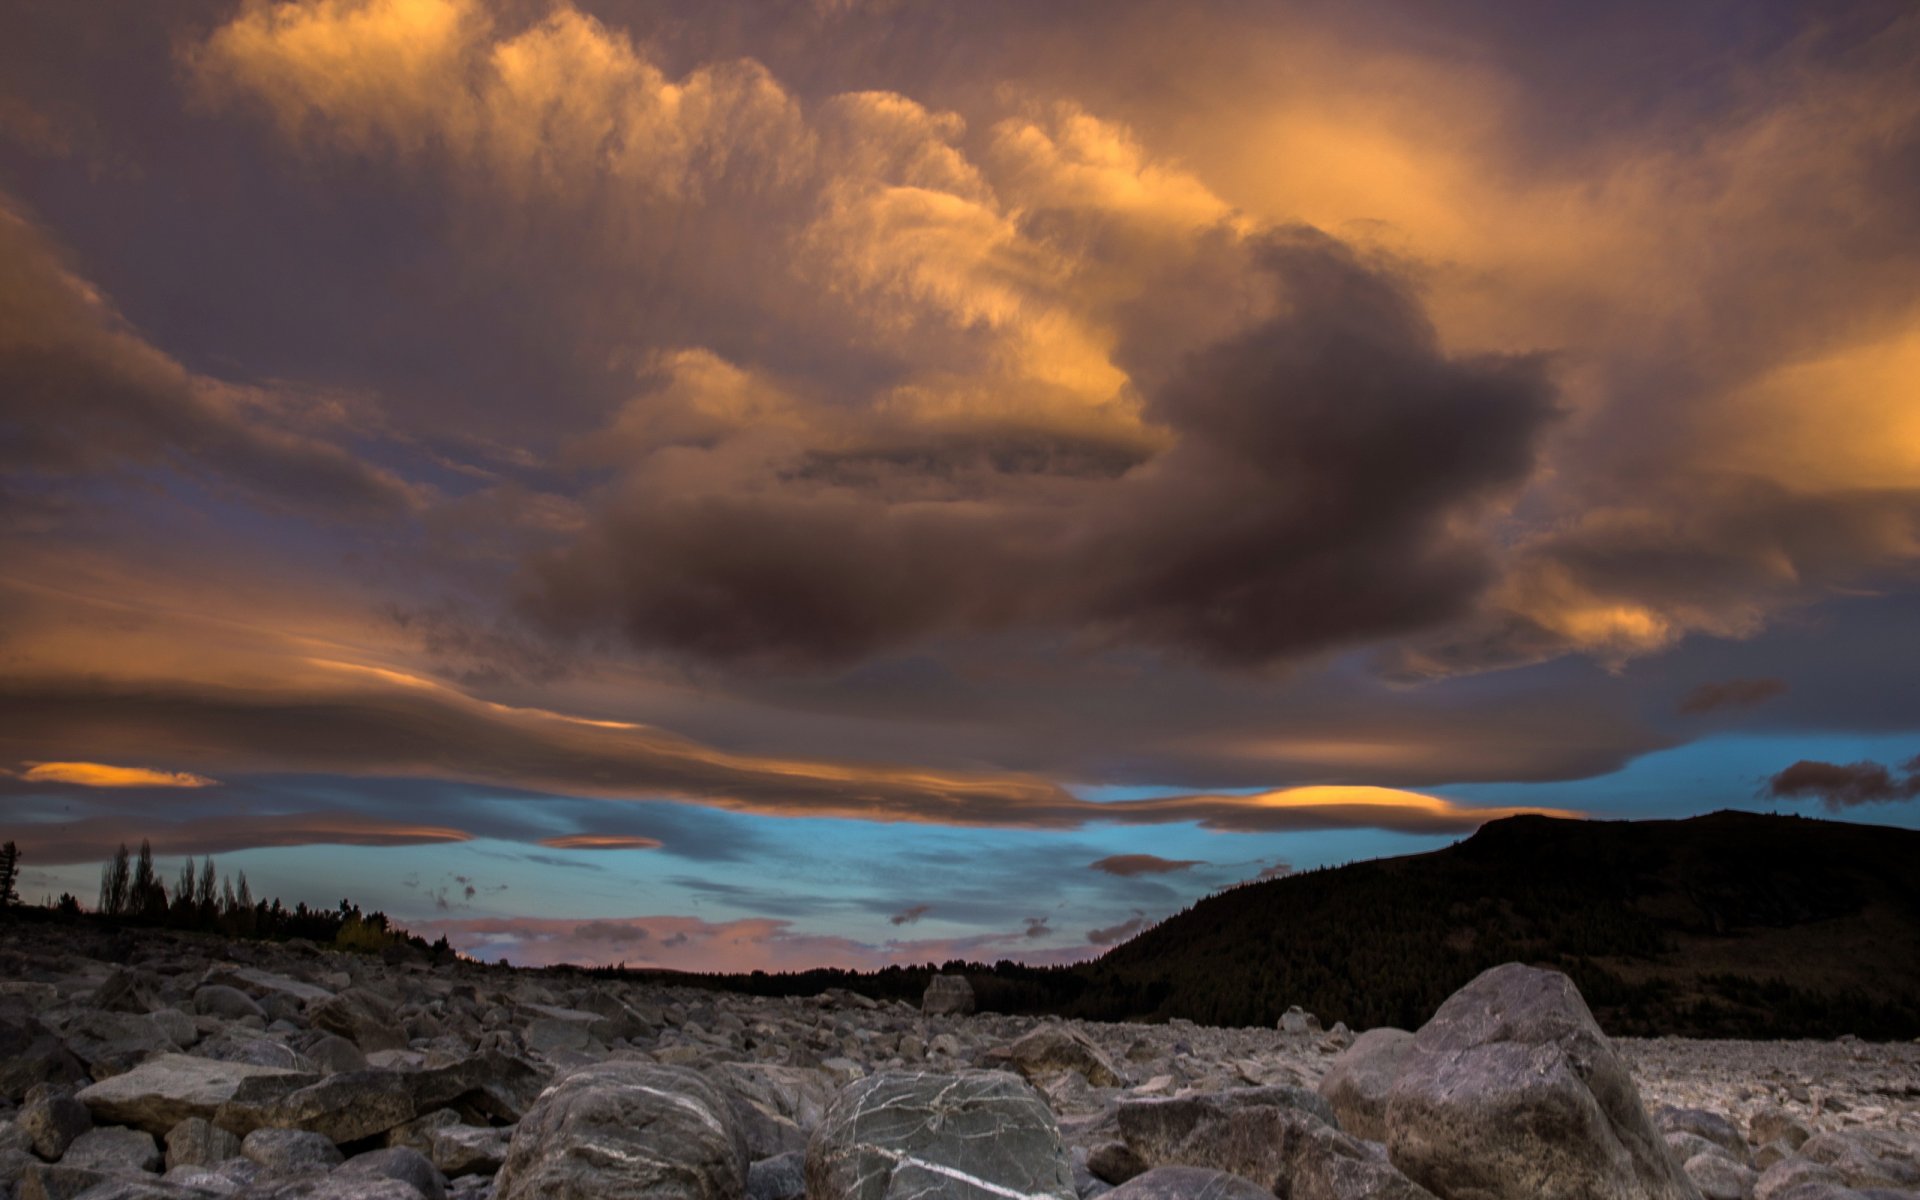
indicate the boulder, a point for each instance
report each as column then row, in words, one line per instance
column 620, row 1130
column 1358, row 1082
column 1707, row 1125
column 1298, row 1021
column 291, row 1151
column 971, row 1136
column 1721, row 1178
column 31, row 1053
column 227, row 1003
column 1188, row 1183
column 159, row 1094
column 1248, row 1132
column 1777, row 1125
column 1054, row 1048
column 782, row 1177
column 51, row 1119
column 1512, row 1092
column 468, row 1149
column 398, row 1163
column 198, row 1142
column 1866, row 1158
column 362, row 1017
column 114, row 1150
column 1114, row 1162
column 947, row 996
column 344, row 1107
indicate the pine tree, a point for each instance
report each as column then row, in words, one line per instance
column 203, row 896
column 146, row 896
column 115, row 879
column 183, row 894
column 9, row 874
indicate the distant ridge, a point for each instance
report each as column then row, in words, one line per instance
column 1730, row 924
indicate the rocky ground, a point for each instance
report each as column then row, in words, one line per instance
column 172, row 1066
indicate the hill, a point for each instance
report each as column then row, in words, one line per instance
column 1727, row 925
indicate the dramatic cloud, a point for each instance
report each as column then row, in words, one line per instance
column 601, row 841
column 581, row 426
column 102, row 775
column 1129, row 865
column 910, row 915
column 1733, row 693
column 1279, row 870
column 81, row 392
column 1841, row 786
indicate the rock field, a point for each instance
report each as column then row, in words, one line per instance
column 197, row 1067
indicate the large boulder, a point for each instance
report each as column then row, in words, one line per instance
column 979, row 1135
column 159, row 1094
column 1283, row 1138
column 1054, row 1048
column 1359, row 1081
column 345, row 1107
column 947, row 996
column 625, row 1130
column 1513, row 1093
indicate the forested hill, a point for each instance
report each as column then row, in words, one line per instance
column 1727, row 925
column 1732, row 924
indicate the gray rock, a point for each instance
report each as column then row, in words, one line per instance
column 1188, row 1183
column 31, row 1053
column 1114, row 1162
column 616, row 1130
column 1513, row 1093
column 1325, row 1164
column 781, row 1177
column 114, row 1149
column 1250, row 1132
column 1796, row 1175
column 56, row 1181
column 289, row 1151
column 898, row 1135
column 198, row 1142
column 1777, row 1125
column 948, row 996
column 112, row 1042
column 1721, row 1178
column 1298, row 1021
column 469, row 1149
column 332, row 1054
column 1705, row 1124
column 157, row 1095
column 1054, row 1047
column 344, row 1107
column 397, row 1162
column 1358, row 1082
column 1865, row 1158
column 51, row 1119
column 227, row 1003
column 362, row 1017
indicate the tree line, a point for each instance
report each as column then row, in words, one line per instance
column 133, row 892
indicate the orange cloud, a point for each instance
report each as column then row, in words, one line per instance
column 102, row 775
column 600, row 841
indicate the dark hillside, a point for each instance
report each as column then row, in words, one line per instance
column 1728, row 924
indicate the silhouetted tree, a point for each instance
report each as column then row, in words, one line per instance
column 183, row 893
column 116, row 878
column 9, row 874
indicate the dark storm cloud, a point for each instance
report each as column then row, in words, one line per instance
column 1844, row 785
column 81, row 393
column 1323, row 462
column 1129, row 865
column 1732, row 693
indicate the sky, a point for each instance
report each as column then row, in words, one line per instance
column 850, row 482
